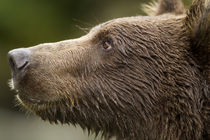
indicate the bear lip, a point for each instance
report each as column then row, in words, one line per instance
column 28, row 100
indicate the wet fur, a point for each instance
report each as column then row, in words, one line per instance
column 153, row 85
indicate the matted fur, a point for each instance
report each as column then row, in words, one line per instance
column 152, row 83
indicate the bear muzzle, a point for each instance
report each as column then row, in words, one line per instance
column 18, row 61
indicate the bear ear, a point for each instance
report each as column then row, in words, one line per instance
column 197, row 23
column 164, row 6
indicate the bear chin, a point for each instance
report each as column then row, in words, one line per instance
column 48, row 111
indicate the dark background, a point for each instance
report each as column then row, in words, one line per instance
column 25, row 23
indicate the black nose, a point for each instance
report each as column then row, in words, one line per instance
column 18, row 59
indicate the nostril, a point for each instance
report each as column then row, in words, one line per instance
column 24, row 65
column 18, row 58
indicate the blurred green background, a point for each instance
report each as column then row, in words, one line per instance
column 25, row 23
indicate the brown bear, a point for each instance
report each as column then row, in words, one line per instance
column 134, row 78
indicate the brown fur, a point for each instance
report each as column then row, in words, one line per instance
column 164, row 6
column 152, row 84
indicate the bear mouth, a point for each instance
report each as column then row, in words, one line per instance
column 29, row 100
column 21, row 97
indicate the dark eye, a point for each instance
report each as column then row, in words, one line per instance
column 107, row 45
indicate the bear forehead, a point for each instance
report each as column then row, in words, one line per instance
column 137, row 20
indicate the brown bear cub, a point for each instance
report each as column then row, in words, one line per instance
column 134, row 78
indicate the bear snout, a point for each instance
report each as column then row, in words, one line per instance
column 19, row 60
